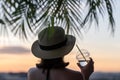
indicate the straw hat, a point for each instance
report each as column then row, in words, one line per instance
column 52, row 43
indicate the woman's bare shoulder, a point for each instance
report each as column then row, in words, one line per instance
column 33, row 69
column 32, row 73
column 73, row 71
column 75, row 74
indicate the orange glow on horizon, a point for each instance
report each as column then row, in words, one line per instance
column 16, row 63
column 22, row 63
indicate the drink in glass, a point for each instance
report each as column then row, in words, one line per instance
column 83, row 57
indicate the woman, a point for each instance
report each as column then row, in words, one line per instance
column 51, row 47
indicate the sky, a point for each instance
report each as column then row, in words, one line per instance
column 104, row 48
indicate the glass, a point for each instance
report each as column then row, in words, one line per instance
column 83, row 56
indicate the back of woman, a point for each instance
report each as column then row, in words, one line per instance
column 55, row 74
column 65, row 74
column 51, row 47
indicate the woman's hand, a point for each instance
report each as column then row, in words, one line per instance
column 88, row 69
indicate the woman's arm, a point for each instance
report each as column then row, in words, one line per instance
column 87, row 70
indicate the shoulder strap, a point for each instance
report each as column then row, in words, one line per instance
column 48, row 74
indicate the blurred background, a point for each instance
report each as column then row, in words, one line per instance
column 16, row 57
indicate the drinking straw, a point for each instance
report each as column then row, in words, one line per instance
column 81, row 53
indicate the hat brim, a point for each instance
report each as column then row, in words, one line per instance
column 56, row 53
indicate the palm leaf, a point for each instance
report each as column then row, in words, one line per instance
column 72, row 15
column 2, row 22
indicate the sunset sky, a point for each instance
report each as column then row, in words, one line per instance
column 104, row 48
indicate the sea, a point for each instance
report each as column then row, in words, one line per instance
column 94, row 76
column 13, row 76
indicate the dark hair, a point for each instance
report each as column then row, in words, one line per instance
column 52, row 63
column 47, row 64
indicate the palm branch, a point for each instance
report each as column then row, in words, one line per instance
column 30, row 16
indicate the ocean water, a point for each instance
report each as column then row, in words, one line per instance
column 13, row 76
column 94, row 76
column 105, row 76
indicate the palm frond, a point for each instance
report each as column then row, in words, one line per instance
column 97, row 8
column 110, row 14
column 72, row 15
column 2, row 22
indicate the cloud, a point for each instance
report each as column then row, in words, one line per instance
column 14, row 50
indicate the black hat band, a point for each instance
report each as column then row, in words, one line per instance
column 53, row 46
